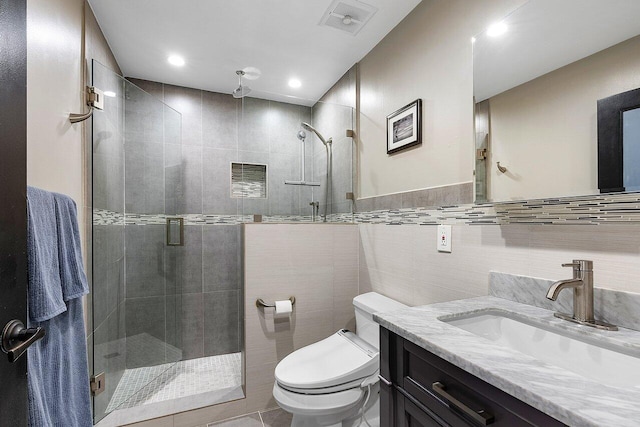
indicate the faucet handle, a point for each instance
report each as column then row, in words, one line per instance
column 571, row 264
column 580, row 264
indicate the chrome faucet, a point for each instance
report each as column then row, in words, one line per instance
column 582, row 284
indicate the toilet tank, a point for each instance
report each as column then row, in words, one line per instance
column 365, row 306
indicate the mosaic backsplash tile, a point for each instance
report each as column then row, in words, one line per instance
column 581, row 210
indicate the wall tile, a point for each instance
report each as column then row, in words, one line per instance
column 217, row 182
column 151, row 87
column 221, row 257
column 191, row 179
column 184, row 263
column 145, row 327
column 173, row 329
column 254, row 125
column 192, row 326
column 221, row 323
column 187, row 102
column 220, row 117
column 144, row 176
column 173, row 187
column 284, row 123
column 284, row 199
column 145, row 260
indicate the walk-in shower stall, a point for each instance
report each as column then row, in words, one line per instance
column 174, row 174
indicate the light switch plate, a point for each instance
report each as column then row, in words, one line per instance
column 444, row 238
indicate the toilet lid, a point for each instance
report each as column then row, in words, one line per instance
column 338, row 359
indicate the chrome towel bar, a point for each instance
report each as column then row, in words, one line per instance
column 260, row 303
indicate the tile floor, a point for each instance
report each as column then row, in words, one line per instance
column 272, row 418
column 145, row 385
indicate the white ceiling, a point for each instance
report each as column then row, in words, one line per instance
column 544, row 35
column 281, row 38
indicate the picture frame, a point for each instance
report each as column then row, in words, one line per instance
column 404, row 127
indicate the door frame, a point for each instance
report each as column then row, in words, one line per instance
column 13, row 207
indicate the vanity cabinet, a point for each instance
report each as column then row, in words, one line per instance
column 420, row 389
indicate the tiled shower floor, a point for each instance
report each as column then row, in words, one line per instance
column 175, row 380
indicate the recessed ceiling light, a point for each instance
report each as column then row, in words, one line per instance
column 176, row 60
column 109, row 93
column 295, row 83
column 497, row 29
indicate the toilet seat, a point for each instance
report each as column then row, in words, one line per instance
column 337, row 363
column 318, row 404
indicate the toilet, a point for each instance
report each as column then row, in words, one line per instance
column 330, row 382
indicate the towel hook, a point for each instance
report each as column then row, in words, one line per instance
column 501, row 168
column 95, row 101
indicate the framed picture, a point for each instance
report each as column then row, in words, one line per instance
column 404, row 127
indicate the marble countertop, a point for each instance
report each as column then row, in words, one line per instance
column 564, row 395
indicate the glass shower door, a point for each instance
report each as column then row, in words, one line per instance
column 136, row 181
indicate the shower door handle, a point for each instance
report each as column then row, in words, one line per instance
column 172, row 239
column 16, row 339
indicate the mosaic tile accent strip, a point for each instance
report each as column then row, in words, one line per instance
column 579, row 210
column 102, row 217
column 466, row 214
column 582, row 210
column 169, row 381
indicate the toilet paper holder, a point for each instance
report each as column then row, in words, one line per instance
column 260, row 303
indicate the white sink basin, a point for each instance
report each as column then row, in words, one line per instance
column 599, row 361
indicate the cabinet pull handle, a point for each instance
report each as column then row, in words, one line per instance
column 385, row 381
column 482, row 417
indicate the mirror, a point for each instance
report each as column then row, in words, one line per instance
column 538, row 76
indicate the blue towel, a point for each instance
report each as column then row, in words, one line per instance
column 45, row 287
column 74, row 281
column 58, row 375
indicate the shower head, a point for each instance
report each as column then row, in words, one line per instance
column 241, row 91
column 302, row 135
column 310, row 128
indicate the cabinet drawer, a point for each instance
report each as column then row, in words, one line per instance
column 460, row 398
column 415, row 416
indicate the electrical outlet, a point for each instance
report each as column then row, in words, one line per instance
column 444, row 238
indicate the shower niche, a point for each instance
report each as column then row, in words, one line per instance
column 248, row 180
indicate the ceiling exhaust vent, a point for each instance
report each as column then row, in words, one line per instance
column 348, row 15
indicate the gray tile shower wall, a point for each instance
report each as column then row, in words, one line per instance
column 218, row 129
column 185, row 170
column 108, row 316
column 144, row 152
column 108, row 146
